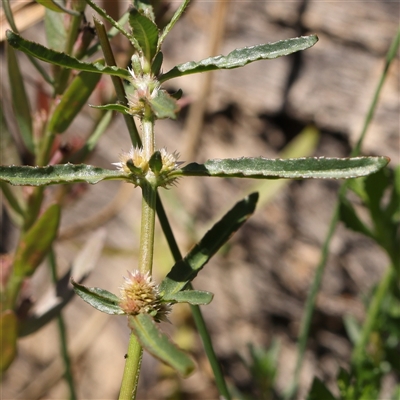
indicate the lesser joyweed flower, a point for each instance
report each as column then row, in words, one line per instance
column 132, row 159
column 134, row 163
column 139, row 294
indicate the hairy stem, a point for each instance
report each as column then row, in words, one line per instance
column 132, row 369
column 149, row 190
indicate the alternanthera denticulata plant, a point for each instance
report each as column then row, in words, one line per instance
column 140, row 94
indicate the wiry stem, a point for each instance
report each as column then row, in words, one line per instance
column 149, row 190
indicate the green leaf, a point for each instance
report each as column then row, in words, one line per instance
column 72, row 101
column 98, row 298
column 116, row 25
column 62, row 59
column 35, row 244
column 20, row 100
column 164, row 105
column 157, row 63
column 174, row 19
column 15, row 203
column 57, row 174
column 145, row 8
column 145, row 32
column 56, row 34
column 51, row 5
column 186, row 270
column 49, row 305
column 350, row 218
column 8, row 338
column 194, row 297
column 155, row 162
column 319, row 391
column 159, row 345
column 240, row 57
column 294, row 168
column 113, row 107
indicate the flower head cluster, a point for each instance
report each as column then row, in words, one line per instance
column 134, row 163
column 133, row 159
column 145, row 87
column 139, row 294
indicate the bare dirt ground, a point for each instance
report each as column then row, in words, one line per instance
column 262, row 277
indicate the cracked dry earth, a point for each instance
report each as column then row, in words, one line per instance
column 262, row 277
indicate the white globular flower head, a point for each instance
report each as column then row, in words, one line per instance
column 140, row 295
column 169, row 164
column 136, row 165
column 146, row 87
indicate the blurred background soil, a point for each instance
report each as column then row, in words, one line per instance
column 262, row 276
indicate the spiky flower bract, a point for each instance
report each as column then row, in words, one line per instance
column 145, row 88
column 139, row 294
column 135, row 164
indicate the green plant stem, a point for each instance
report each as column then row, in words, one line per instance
column 374, row 307
column 197, row 315
column 149, row 190
column 311, row 299
column 209, row 349
column 147, row 228
column 132, row 369
column 63, row 335
column 117, row 82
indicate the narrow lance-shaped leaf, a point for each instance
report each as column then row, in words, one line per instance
column 51, row 302
column 158, row 344
column 240, row 57
column 57, row 174
column 20, row 100
column 113, row 107
column 350, row 218
column 193, row 297
column 35, row 243
column 98, row 298
column 186, row 270
column 8, row 338
column 56, row 33
column 72, row 101
column 293, row 168
column 51, row 5
column 34, row 246
column 62, row 59
column 145, row 32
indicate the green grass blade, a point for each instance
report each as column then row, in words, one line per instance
column 293, row 168
column 240, row 57
column 159, row 345
column 185, row 271
column 61, row 59
column 57, row 174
